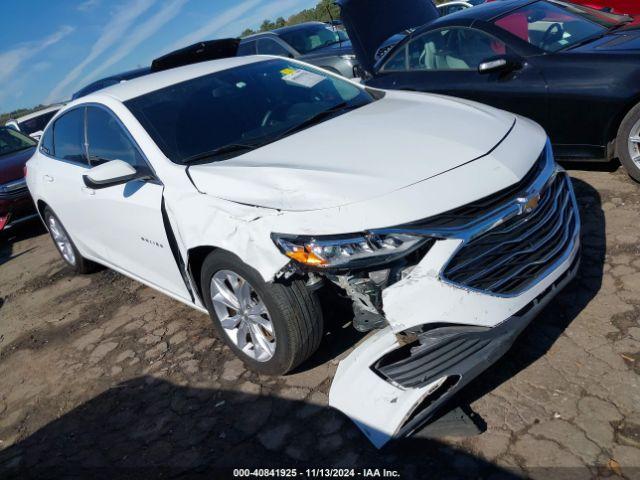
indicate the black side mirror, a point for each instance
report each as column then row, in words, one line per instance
column 503, row 63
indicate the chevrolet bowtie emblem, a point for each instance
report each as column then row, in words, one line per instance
column 529, row 204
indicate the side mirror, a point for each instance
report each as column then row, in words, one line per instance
column 110, row 174
column 499, row 64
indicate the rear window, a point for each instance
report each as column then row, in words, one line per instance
column 247, row 48
column 36, row 124
column 252, row 104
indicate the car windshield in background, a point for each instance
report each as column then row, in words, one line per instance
column 553, row 27
column 36, row 124
column 12, row 141
column 236, row 110
column 306, row 40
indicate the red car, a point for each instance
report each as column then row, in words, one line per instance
column 629, row 7
column 15, row 202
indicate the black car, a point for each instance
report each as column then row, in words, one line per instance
column 198, row 52
column 574, row 70
column 112, row 80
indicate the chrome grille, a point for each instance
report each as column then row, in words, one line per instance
column 512, row 256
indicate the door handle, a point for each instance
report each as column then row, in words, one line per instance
column 88, row 191
column 47, row 178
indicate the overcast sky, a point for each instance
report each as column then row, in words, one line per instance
column 50, row 49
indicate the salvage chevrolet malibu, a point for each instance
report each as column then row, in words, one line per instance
column 242, row 186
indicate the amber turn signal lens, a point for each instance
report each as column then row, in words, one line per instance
column 306, row 257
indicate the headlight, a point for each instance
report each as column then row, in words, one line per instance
column 352, row 251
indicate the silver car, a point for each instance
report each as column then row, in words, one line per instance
column 317, row 43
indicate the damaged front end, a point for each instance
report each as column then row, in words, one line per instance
column 361, row 265
column 449, row 295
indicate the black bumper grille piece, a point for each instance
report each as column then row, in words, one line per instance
column 13, row 194
column 511, row 257
column 429, row 361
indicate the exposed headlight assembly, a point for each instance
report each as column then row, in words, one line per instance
column 348, row 251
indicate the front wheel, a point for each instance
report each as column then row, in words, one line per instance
column 628, row 143
column 271, row 327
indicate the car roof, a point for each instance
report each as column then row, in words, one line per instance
column 156, row 81
column 281, row 30
column 44, row 111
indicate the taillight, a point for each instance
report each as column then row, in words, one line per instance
column 24, row 170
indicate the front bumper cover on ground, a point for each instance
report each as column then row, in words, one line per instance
column 390, row 394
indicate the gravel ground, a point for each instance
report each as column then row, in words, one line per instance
column 102, row 376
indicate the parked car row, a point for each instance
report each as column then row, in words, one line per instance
column 257, row 188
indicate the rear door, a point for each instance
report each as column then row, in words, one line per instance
column 128, row 221
column 60, row 179
column 446, row 61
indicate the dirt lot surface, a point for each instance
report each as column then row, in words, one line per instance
column 102, row 376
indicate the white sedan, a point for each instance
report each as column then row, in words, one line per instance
column 242, row 187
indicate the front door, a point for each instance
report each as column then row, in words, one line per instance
column 446, row 61
column 128, row 221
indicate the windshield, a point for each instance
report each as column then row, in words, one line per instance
column 36, row 124
column 312, row 37
column 558, row 25
column 12, row 141
column 245, row 107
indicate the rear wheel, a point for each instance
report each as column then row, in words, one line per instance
column 65, row 245
column 271, row 327
column 628, row 143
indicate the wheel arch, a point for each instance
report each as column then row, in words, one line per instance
column 195, row 259
column 41, row 205
column 614, row 126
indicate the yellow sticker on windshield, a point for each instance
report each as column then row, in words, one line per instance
column 287, row 71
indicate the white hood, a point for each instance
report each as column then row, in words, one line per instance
column 403, row 139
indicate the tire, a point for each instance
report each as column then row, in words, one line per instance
column 293, row 312
column 629, row 127
column 70, row 253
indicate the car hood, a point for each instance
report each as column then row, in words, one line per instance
column 370, row 22
column 12, row 164
column 400, row 140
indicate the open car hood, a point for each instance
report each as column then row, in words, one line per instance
column 198, row 52
column 400, row 140
column 370, row 22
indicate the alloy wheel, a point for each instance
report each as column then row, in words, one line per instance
column 634, row 144
column 61, row 240
column 243, row 315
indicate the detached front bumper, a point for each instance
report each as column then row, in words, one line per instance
column 390, row 390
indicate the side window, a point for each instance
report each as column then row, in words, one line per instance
column 68, row 136
column 247, row 48
column 266, row 46
column 453, row 49
column 46, row 145
column 398, row 62
column 107, row 140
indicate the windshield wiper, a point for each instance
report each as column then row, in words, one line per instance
column 216, row 152
column 315, row 119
